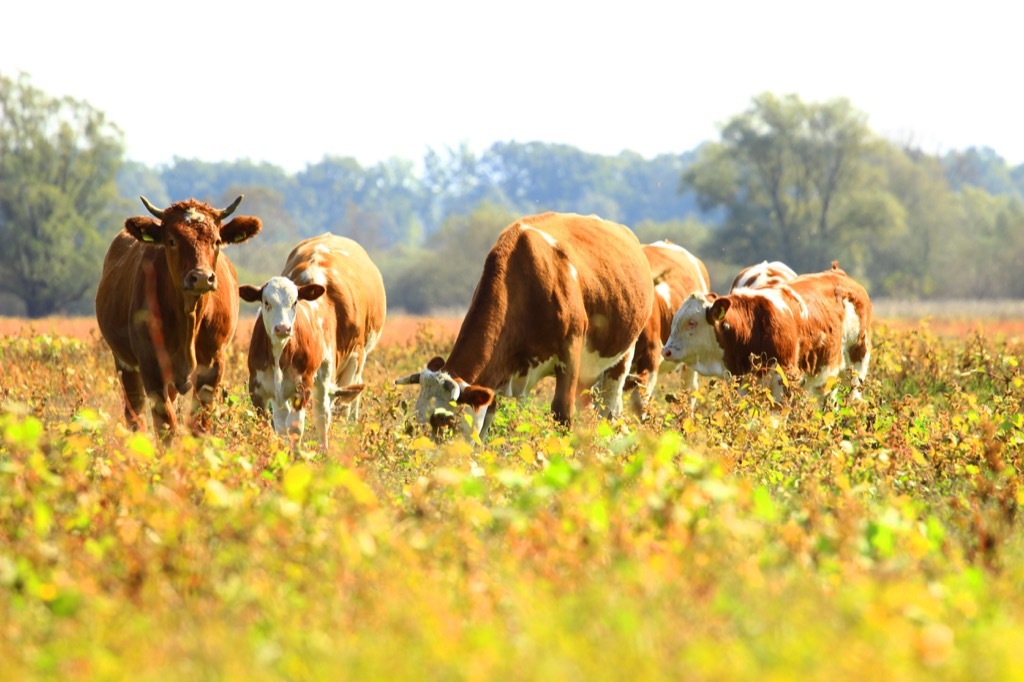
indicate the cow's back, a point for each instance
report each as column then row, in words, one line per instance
column 831, row 298
column 549, row 278
column 676, row 273
column 611, row 272
column 355, row 287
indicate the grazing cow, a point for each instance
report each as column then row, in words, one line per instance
column 317, row 323
column 167, row 305
column 811, row 327
column 763, row 275
column 560, row 294
column 677, row 274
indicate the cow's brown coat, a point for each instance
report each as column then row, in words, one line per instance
column 167, row 305
column 529, row 307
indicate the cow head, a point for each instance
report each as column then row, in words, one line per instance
column 440, row 391
column 191, row 235
column 693, row 328
column 279, row 299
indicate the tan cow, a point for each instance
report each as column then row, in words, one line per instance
column 677, row 274
column 316, row 326
column 763, row 275
column 812, row 327
column 561, row 294
column 167, row 305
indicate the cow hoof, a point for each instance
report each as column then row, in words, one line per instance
column 184, row 387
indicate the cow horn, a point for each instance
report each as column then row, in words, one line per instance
column 224, row 213
column 151, row 208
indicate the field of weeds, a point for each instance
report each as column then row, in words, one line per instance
column 878, row 540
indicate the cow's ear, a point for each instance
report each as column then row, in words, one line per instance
column 311, row 292
column 718, row 309
column 413, row 378
column 475, row 396
column 248, row 292
column 347, row 394
column 436, row 363
column 240, row 229
column 145, row 229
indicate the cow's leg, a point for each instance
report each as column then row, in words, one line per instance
column 492, row 410
column 207, row 380
column 567, row 376
column 611, row 386
column 165, row 420
column 639, row 388
column 321, row 410
column 688, row 379
column 161, row 397
column 860, row 355
column 259, row 402
column 134, row 397
column 351, row 373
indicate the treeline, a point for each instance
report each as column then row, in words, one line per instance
column 806, row 183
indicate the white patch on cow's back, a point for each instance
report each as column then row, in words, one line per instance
column 694, row 262
column 665, row 292
column 312, row 275
column 773, row 296
column 573, row 273
column 547, row 237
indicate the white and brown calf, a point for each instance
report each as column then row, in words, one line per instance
column 315, row 329
column 811, row 327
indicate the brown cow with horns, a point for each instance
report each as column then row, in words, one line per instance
column 167, row 305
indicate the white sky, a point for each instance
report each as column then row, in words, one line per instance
column 290, row 82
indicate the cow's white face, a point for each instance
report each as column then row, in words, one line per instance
column 289, row 414
column 438, row 391
column 692, row 339
column 279, row 306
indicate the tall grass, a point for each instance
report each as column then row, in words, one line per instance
column 877, row 540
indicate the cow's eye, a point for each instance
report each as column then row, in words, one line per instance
column 171, row 242
column 266, row 304
column 691, row 324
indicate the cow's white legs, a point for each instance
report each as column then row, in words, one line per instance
column 611, row 385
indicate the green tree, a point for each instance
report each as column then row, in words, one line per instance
column 795, row 181
column 982, row 258
column 421, row 280
column 58, row 163
column 905, row 260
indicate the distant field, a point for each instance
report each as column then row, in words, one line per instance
column 399, row 328
column 945, row 318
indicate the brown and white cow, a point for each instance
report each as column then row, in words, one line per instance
column 316, row 326
column 561, row 294
column 763, row 275
column 167, row 305
column 811, row 327
column 677, row 273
